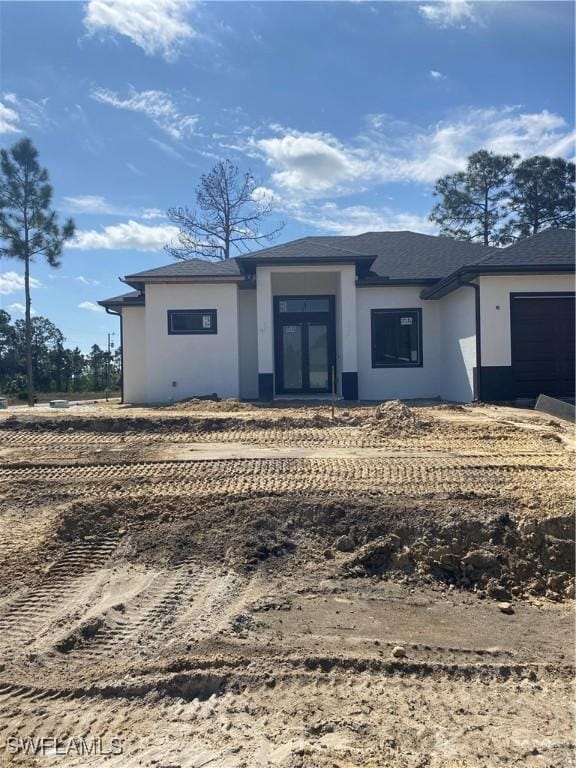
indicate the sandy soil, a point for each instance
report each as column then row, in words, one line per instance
column 226, row 585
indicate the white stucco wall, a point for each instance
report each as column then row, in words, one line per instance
column 247, row 346
column 495, row 309
column 388, row 383
column 458, row 340
column 198, row 364
column 134, row 354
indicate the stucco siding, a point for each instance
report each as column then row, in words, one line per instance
column 495, row 309
column 134, row 354
column 247, row 344
column 388, row 383
column 180, row 366
column 458, row 329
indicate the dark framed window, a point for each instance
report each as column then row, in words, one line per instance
column 396, row 338
column 192, row 321
column 300, row 304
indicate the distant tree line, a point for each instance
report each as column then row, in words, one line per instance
column 56, row 368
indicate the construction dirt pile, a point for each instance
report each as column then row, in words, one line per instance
column 395, row 418
column 457, row 542
column 209, row 403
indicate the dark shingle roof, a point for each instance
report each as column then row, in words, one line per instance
column 132, row 299
column 190, row 268
column 549, row 251
column 552, row 246
column 397, row 255
column 384, row 256
column 412, row 256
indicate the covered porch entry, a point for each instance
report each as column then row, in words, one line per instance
column 306, row 319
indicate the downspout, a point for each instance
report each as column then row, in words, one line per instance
column 119, row 314
column 462, row 283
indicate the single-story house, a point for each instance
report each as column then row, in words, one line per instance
column 380, row 315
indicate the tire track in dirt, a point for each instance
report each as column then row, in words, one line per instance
column 417, row 468
column 22, row 617
column 147, row 621
column 394, row 476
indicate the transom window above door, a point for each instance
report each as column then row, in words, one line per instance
column 303, row 304
column 396, row 338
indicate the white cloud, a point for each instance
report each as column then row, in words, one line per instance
column 17, row 109
column 9, row 119
column 96, row 204
column 130, row 235
column 156, row 105
column 167, row 149
column 158, row 27
column 89, row 204
column 90, row 306
column 87, row 280
column 317, row 165
column 436, row 75
column 11, row 282
column 311, row 162
column 451, row 13
column 153, row 213
column 356, row 219
column 20, row 309
column 564, row 147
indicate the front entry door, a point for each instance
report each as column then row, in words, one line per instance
column 304, row 343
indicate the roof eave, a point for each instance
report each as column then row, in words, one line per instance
column 377, row 280
column 139, row 282
column 121, row 304
column 456, row 279
column 311, row 260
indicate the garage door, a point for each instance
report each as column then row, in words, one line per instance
column 542, row 327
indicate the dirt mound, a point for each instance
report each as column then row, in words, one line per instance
column 498, row 558
column 395, row 418
column 169, row 423
column 209, row 403
column 462, row 542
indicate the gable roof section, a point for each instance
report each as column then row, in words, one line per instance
column 551, row 246
column 411, row 256
column 552, row 250
column 131, row 299
column 190, row 268
column 381, row 257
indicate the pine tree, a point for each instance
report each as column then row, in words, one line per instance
column 28, row 226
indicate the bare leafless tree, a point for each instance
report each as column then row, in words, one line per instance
column 227, row 219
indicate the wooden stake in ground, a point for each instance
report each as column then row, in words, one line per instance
column 333, row 390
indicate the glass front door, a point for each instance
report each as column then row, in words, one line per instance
column 318, row 366
column 304, row 344
column 292, row 349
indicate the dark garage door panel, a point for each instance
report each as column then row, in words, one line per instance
column 542, row 329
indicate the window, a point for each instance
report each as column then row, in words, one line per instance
column 299, row 305
column 396, row 338
column 189, row 321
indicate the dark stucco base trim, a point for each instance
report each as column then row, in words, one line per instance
column 498, row 383
column 350, row 385
column 266, row 386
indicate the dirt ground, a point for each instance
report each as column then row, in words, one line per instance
column 227, row 585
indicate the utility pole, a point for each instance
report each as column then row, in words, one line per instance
column 110, row 346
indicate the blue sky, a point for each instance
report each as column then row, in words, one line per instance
column 345, row 112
